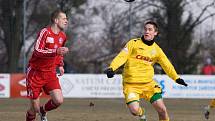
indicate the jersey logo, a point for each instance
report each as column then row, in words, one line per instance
column 153, row 52
column 146, row 59
column 125, row 49
column 50, row 40
column 60, row 40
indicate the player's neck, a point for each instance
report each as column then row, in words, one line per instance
column 55, row 29
column 147, row 42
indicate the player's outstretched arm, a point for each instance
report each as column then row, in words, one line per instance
column 181, row 82
column 110, row 73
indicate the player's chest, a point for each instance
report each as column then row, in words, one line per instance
column 53, row 42
column 148, row 52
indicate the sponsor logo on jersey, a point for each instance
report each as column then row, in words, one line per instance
column 153, row 52
column 144, row 58
column 125, row 49
column 60, row 40
column 50, row 40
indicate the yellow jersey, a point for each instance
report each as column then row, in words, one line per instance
column 138, row 59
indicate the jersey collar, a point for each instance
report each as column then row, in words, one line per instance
column 149, row 43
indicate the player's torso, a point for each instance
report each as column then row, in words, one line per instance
column 54, row 41
column 139, row 66
column 51, row 41
column 143, row 54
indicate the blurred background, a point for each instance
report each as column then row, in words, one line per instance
column 98, row 29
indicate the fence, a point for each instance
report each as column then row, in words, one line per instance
column 99, row 86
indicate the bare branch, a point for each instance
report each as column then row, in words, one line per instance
column 186, row 2
column 29, row 49
column 36, row 4
column 1, row 21
column 202, row 13
column 1, row 38
column 27, row 3
column 199, row 19
column 31, row 33
column 155, row 5
column 205, row 18
column 27, row 37
column 152, row 4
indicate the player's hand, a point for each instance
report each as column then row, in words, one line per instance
column 61, row 69
column 110, row 73
column 62, row 50
column 181, row 82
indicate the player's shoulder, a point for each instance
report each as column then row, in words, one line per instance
column 63, row 34
column 155, row 44
column 44, row 30
column 157, row 47
column 134, row 40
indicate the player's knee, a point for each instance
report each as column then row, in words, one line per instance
column 58, row 102
column 135, row 111
column 34, row 107
column 32, row 110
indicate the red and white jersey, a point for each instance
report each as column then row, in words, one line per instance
column 44, row 57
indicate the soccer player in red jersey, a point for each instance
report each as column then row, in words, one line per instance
column 41, row 74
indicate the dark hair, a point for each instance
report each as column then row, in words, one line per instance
column 152, row 23
column 55, row 14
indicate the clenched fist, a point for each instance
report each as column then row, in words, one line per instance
column 62, row 50
column 110, row 73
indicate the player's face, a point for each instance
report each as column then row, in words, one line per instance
column 149, row 32
column 62, row 21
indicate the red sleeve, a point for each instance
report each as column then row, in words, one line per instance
column 59, row 61
column 39, row 48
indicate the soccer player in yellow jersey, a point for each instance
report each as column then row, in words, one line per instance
column 138, row 57
column 207, row 108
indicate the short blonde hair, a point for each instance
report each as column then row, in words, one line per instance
column 55, row 14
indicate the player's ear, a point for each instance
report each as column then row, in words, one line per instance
column 156, row 33
column 56, row 20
